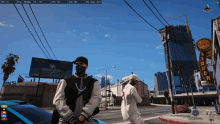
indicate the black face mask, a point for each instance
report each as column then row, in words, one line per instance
column 80, row 70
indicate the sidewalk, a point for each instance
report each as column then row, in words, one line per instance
column 188, row 118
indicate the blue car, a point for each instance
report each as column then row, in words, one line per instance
column 20, row 112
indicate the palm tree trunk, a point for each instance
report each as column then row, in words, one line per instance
column 2, row 86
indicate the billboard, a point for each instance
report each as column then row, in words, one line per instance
column 47, row 68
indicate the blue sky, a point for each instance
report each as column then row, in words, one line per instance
column 108, row 34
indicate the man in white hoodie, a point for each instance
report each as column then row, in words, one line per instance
column 130, row 98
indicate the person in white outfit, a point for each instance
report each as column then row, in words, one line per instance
column 130, row 98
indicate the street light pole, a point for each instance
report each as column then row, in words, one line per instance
column 106, row 85
column 106, row 89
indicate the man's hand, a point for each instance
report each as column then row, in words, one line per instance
column 138, row 89
column 80, row 120
column 72, row 121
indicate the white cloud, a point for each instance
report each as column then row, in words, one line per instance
column 160, row 53
column 108, row 76
column 98, row 75
column 100, row 50
column 86, row 32
column 52, row 44
column 160, row 47
column 141, row 54
column 74, row 30
column 35, row 44
column 130, row 67
column 85, row 39
column 11, row 25
column 1, row 24
column 107, row 35
column 31, row 46
column 142, row 59
column 74, row 35
column 153, row 65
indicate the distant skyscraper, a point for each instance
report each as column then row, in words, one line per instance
column 180, row 51
column 160, row 82
column 103, row 82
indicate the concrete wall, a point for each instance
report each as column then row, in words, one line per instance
column 48, row 99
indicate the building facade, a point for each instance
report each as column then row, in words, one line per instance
column 215, row 49
column 26, row 91
column 103, row 82
column 180, row 51
column 160, row 82
column 201, row 84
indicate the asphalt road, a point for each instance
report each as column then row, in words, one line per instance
column 149, row 114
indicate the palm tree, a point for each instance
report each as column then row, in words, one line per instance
column 166, row 94
column 8, row 67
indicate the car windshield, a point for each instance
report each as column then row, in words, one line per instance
column 34, row 114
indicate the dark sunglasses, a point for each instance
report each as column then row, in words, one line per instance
column 78, row 63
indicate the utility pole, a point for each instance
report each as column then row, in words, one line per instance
column 168, row 67
column 191, row 91
column 184, row 83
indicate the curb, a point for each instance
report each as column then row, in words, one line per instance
column 174, row 122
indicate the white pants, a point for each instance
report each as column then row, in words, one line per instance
column 136, row 119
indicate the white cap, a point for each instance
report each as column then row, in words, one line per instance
column 133, row 76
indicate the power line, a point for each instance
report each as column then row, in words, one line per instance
column 153, row 13
column 28, row 28
column 159, row 12
column 41, row 30
column 35, row 30
column 140, row 16
column 164, row 25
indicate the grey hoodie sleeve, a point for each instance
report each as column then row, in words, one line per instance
column 94, row 100
column 135, row 95
column 60, row 102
